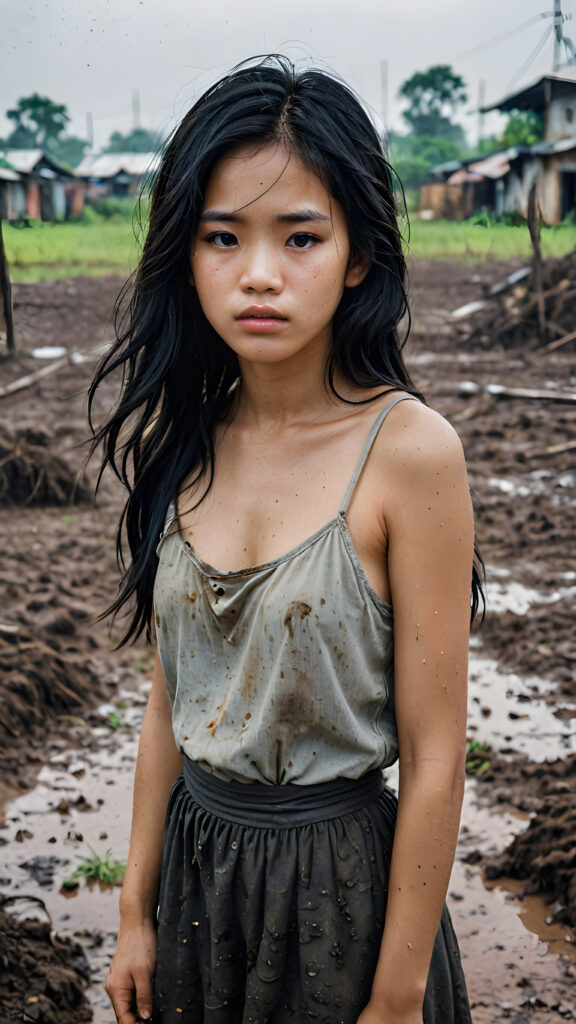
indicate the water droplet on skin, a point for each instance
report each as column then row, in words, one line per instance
column 311, row 970
column 234, row 845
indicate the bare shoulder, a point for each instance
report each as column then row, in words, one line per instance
column 417, row 438
column 416, row 430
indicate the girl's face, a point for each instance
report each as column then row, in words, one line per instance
column 271, row 256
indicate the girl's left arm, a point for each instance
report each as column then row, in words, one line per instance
column 429, row 523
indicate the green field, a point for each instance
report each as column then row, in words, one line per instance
column 464, row 240
column 47, row 250
column 100, row 247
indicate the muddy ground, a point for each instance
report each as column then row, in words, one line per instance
column 58, row 572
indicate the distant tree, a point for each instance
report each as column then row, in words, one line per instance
column 412, row 156
column 524, row 128
column 491, row 144
column 139, row 140
column 68, row 150
column 37, row 120
column 434, row 97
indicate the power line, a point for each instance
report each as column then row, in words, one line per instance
column 537, row 50
column 503, row 35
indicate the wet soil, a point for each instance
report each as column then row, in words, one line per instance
column 43, row 976
column 57, row 663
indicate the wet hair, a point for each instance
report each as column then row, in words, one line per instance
column 177, row 374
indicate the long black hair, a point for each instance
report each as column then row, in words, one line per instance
column 177, row 373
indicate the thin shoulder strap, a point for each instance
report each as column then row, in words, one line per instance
column 171, row 515
column 367, row 448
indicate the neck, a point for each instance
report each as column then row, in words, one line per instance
column 274, row 394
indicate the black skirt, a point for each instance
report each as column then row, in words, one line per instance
column 272, row 905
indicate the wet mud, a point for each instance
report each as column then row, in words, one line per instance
column 43, row 977
column 65, row 766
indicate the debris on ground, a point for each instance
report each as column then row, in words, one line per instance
column 31, row 474
column 508, row 317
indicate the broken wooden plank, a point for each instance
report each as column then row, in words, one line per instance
column 471, row 387
column 6, row 289
column 31, row 378
column 556, row 449
column 553, row 345
column 534, row 229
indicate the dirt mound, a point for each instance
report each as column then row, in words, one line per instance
column 545, row 854
column 43, row 976
column 511, row 315
column 45, row 674
column 30, row 474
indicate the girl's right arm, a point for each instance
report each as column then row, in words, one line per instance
column 129, row 981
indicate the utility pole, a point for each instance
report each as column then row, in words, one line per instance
column 136, row 107
column 481, row 102
column 90, row 128
column 384, row 88
column 558, row 33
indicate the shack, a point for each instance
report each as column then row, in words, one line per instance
column 34, row 184
column 116, row 174
column 551, row 164
column 502, row 180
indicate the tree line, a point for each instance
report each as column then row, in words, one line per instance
column 40, row 123
column 434, row 100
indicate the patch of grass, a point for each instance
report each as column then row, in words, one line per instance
column 44, row 251
column 104, row 869
column 477, row 758
column 477, row 240
column 115, row 721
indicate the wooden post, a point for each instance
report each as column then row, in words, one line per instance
column 6, row 289
column 534, row 229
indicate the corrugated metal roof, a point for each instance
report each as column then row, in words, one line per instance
column 7, row 175
column 533, row 96
column 26, row 160
column 23, row 160
column 108, row 165
column 495, row 166
column 463, row 176
column 559, row 146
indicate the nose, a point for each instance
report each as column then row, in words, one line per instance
column 261, row 271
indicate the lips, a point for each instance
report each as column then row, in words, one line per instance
column 261, row 320
column 260, row 313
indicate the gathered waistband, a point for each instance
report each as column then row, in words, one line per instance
column 288, row 806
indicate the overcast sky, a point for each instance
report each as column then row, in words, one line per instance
column 91, row 54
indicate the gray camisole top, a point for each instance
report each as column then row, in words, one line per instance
column 281, row 673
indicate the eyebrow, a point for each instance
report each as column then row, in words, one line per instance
column 296, row 217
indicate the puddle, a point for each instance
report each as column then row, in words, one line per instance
column 83, row 798
column 512, row 957
column 517, row 598
column 537, row 482
column 510, row 713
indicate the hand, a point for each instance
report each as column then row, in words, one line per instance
column 129, row 981
column 376, row 1015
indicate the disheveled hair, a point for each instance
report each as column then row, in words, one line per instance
column 177, row 374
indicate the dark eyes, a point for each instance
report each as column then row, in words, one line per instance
column 222, row 239
column 301, row 240
column 226, row 240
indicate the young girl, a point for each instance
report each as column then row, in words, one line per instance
column 310, row 593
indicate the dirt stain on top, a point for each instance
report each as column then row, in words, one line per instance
column 296, row 610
